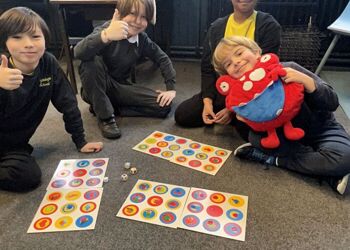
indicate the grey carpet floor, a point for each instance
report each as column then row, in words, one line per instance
column 285, row 211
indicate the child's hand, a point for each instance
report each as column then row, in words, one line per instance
column 10, row 79
column 117, row 29
column 165, row 97
column 299, row 77
column 92, row 147
column 208, row 114
column 223, row 117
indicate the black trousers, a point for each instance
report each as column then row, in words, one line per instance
column 189, row 114
column 323, row 153
column 19, row 171
column 109, row 97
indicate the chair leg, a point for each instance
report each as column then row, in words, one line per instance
column 326, row 55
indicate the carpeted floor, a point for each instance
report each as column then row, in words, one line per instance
column 285, row 211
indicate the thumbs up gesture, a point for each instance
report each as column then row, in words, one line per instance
column 117, row 29
column 10, row 79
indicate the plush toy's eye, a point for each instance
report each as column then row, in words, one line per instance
column 224, row 86
column 265, row 58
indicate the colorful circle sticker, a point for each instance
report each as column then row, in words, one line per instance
column 215, row 160
column 162, row 144
column 67, row 163
column 190, row 220
column 195, row 145
column 48, row 209
column 144, row 186
column 91, row 194
column 217, row 198
column 221, row 152
column 130, row 210
column 58, row 183
column 194, row 163
column 167, row 217
column 173, row 204
column 174, row 147
column 68, row 208
column 211, row 225
column 149, row 213
column 160, row 189
column 42, row 223
column 169, row 138
column 93, row 182
column 55, row 196
column 201, row 156
column 209, row 168
column 76, row 182
column 83, row 163
column 236, row 201
column 79, row 172
column 64, row 173
column 181, row 141
column 137, row 197
column 88, row 207
column 63, row 222
column 155, row 201
column 158, row 135
column 214, row 211
column 207, row 149
column 199, row 195
column 73, row 195
column 154, row 150
column 232, row 229
column 181, row 159
column 98, row 163
column 188, row 152
column 234, row 214
column 95, row 172
column 167, row 154
column 195, row 207
column 151, row 140
column 84, row 221
column 178, row 192
column 143, row 146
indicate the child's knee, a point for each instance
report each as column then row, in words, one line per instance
column 164, row 111
column 25, row 176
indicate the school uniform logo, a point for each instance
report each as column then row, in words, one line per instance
column 44, row 82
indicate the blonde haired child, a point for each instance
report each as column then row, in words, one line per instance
column 324, row 152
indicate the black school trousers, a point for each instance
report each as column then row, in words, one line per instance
column 189, row 114
column 109, row 97
column 19, row 172
column 321, row 154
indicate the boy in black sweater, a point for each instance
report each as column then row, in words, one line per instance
column 107, row 56
column 29, row 79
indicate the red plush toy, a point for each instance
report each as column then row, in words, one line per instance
column 264, row 100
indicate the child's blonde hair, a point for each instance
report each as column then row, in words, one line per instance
column 225, row 47
column 125, row 6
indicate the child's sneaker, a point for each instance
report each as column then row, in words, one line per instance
column 339, row 185
column 248, row 152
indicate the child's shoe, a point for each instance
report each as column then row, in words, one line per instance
column 109, row 128
column 339, row 185
column 248, row 152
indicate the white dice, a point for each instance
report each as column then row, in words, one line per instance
column 127, row 165
column 124, row 177
column 133, row 170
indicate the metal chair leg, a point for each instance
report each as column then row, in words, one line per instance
column 328, row 52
